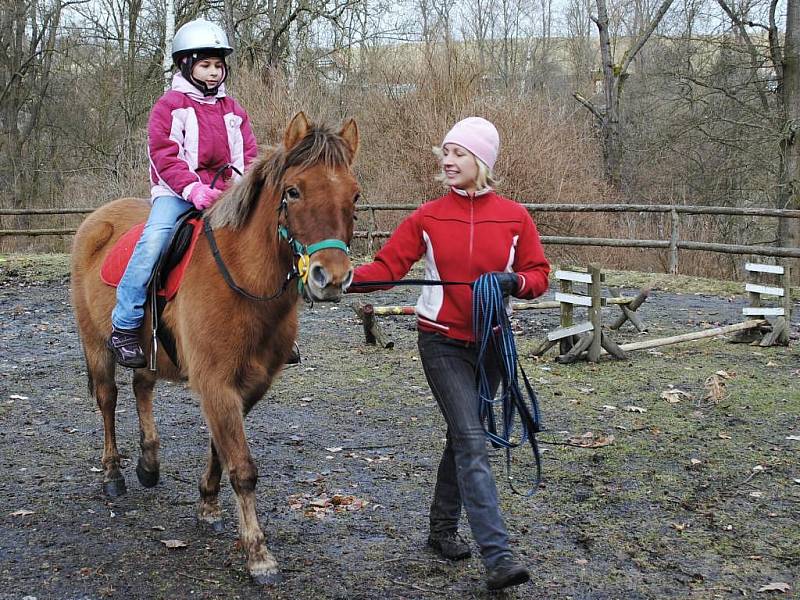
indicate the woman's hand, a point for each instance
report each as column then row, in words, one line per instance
column 509, row 282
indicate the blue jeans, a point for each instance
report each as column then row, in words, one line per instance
column 132, row 288
column 465, row 476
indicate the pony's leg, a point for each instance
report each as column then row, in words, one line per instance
column 208, row 509
column 224, row 416
column 147, row 469
column 100, row 366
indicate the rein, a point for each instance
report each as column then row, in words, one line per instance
column 489, row 316
column 409, row 282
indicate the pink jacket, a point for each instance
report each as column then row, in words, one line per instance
column 190, row 137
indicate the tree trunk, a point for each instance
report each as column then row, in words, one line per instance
column 789, row 183
column 609, row 123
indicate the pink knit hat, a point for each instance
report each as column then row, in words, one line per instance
column 478, row 136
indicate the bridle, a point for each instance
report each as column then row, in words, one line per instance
column 301, row 256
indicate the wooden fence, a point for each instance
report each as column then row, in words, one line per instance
column 673, row 244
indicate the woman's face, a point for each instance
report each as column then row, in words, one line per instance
column 209, row 71
column 460, row 167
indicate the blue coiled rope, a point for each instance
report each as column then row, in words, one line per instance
column 493, row 335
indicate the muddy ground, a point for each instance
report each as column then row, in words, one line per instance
column 698, row 498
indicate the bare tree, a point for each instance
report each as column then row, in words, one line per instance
column 615, row 73
column 28, row 42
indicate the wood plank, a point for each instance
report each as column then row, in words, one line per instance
column 764, row 289
column 759, row 268
column 563, row 332
column 764, row 311
column 573, row 299
column 574, row 276
column 695, row 335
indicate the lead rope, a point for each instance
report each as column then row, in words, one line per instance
column 495, row 338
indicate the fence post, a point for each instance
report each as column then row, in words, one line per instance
column 673, row 241
column 596, row 291
column 371, row 228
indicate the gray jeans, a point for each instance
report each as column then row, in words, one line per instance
column 465, row 476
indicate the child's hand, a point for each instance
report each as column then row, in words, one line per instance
column 202, row 196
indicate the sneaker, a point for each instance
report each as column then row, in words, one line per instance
column 124, row 344
column 294, row 355
column 506, row 572
column 449, row 545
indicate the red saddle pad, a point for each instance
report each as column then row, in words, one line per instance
column 117, row 259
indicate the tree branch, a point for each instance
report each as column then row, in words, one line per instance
column 631, row 54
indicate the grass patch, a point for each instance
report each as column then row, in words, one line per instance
column 34, row 268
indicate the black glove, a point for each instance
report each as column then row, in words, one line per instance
column 509, row 282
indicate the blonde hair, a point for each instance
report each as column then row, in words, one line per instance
column 485, row 178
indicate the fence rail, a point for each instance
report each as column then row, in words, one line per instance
column 673, row 244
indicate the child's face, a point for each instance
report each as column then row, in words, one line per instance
column 459, row 167
column 209, row 71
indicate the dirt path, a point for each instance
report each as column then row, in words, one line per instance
column 694, row 499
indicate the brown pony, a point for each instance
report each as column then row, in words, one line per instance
column 229, row 346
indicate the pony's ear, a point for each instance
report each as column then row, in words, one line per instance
column 349, row 134
column 296, row 131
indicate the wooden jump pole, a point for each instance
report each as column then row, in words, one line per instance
column 696, row 335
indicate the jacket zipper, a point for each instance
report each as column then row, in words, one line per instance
column 471, row 228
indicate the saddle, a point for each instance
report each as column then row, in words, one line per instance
column 167, row 275
column 169, row 270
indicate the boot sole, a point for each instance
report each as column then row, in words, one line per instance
column 514, row 579
column 438, row 548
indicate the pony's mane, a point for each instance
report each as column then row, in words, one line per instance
column 319, row 146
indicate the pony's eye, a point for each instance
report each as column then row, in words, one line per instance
column 292, row 193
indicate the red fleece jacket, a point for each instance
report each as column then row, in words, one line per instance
column 461, row 238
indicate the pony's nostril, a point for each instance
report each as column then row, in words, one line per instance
column 347, row 280
column 319, row 276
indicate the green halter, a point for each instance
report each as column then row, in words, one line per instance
column 303, row 253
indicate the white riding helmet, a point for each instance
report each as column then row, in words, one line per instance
column 200, row 36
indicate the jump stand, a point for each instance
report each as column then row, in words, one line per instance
column 762, row 282
column 589, row 337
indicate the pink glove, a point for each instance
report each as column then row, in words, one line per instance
column 202, row 196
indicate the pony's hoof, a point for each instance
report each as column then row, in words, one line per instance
column 216, row 526
column 114, row 488
column 146, row 478
column 267, row 578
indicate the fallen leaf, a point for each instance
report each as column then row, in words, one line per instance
column 724, row 436
column 778, row 586
column 715, row 388
column 174, row 543
column 794, row 438
column 588, row 440
column 334, row 449
column 158, row 528
column 756, row 494
column 680, row 526
column 96, row 470
column 696, row 461
column 674, row 395
column 21, row 513
column 609, row 407
column 638, row 409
